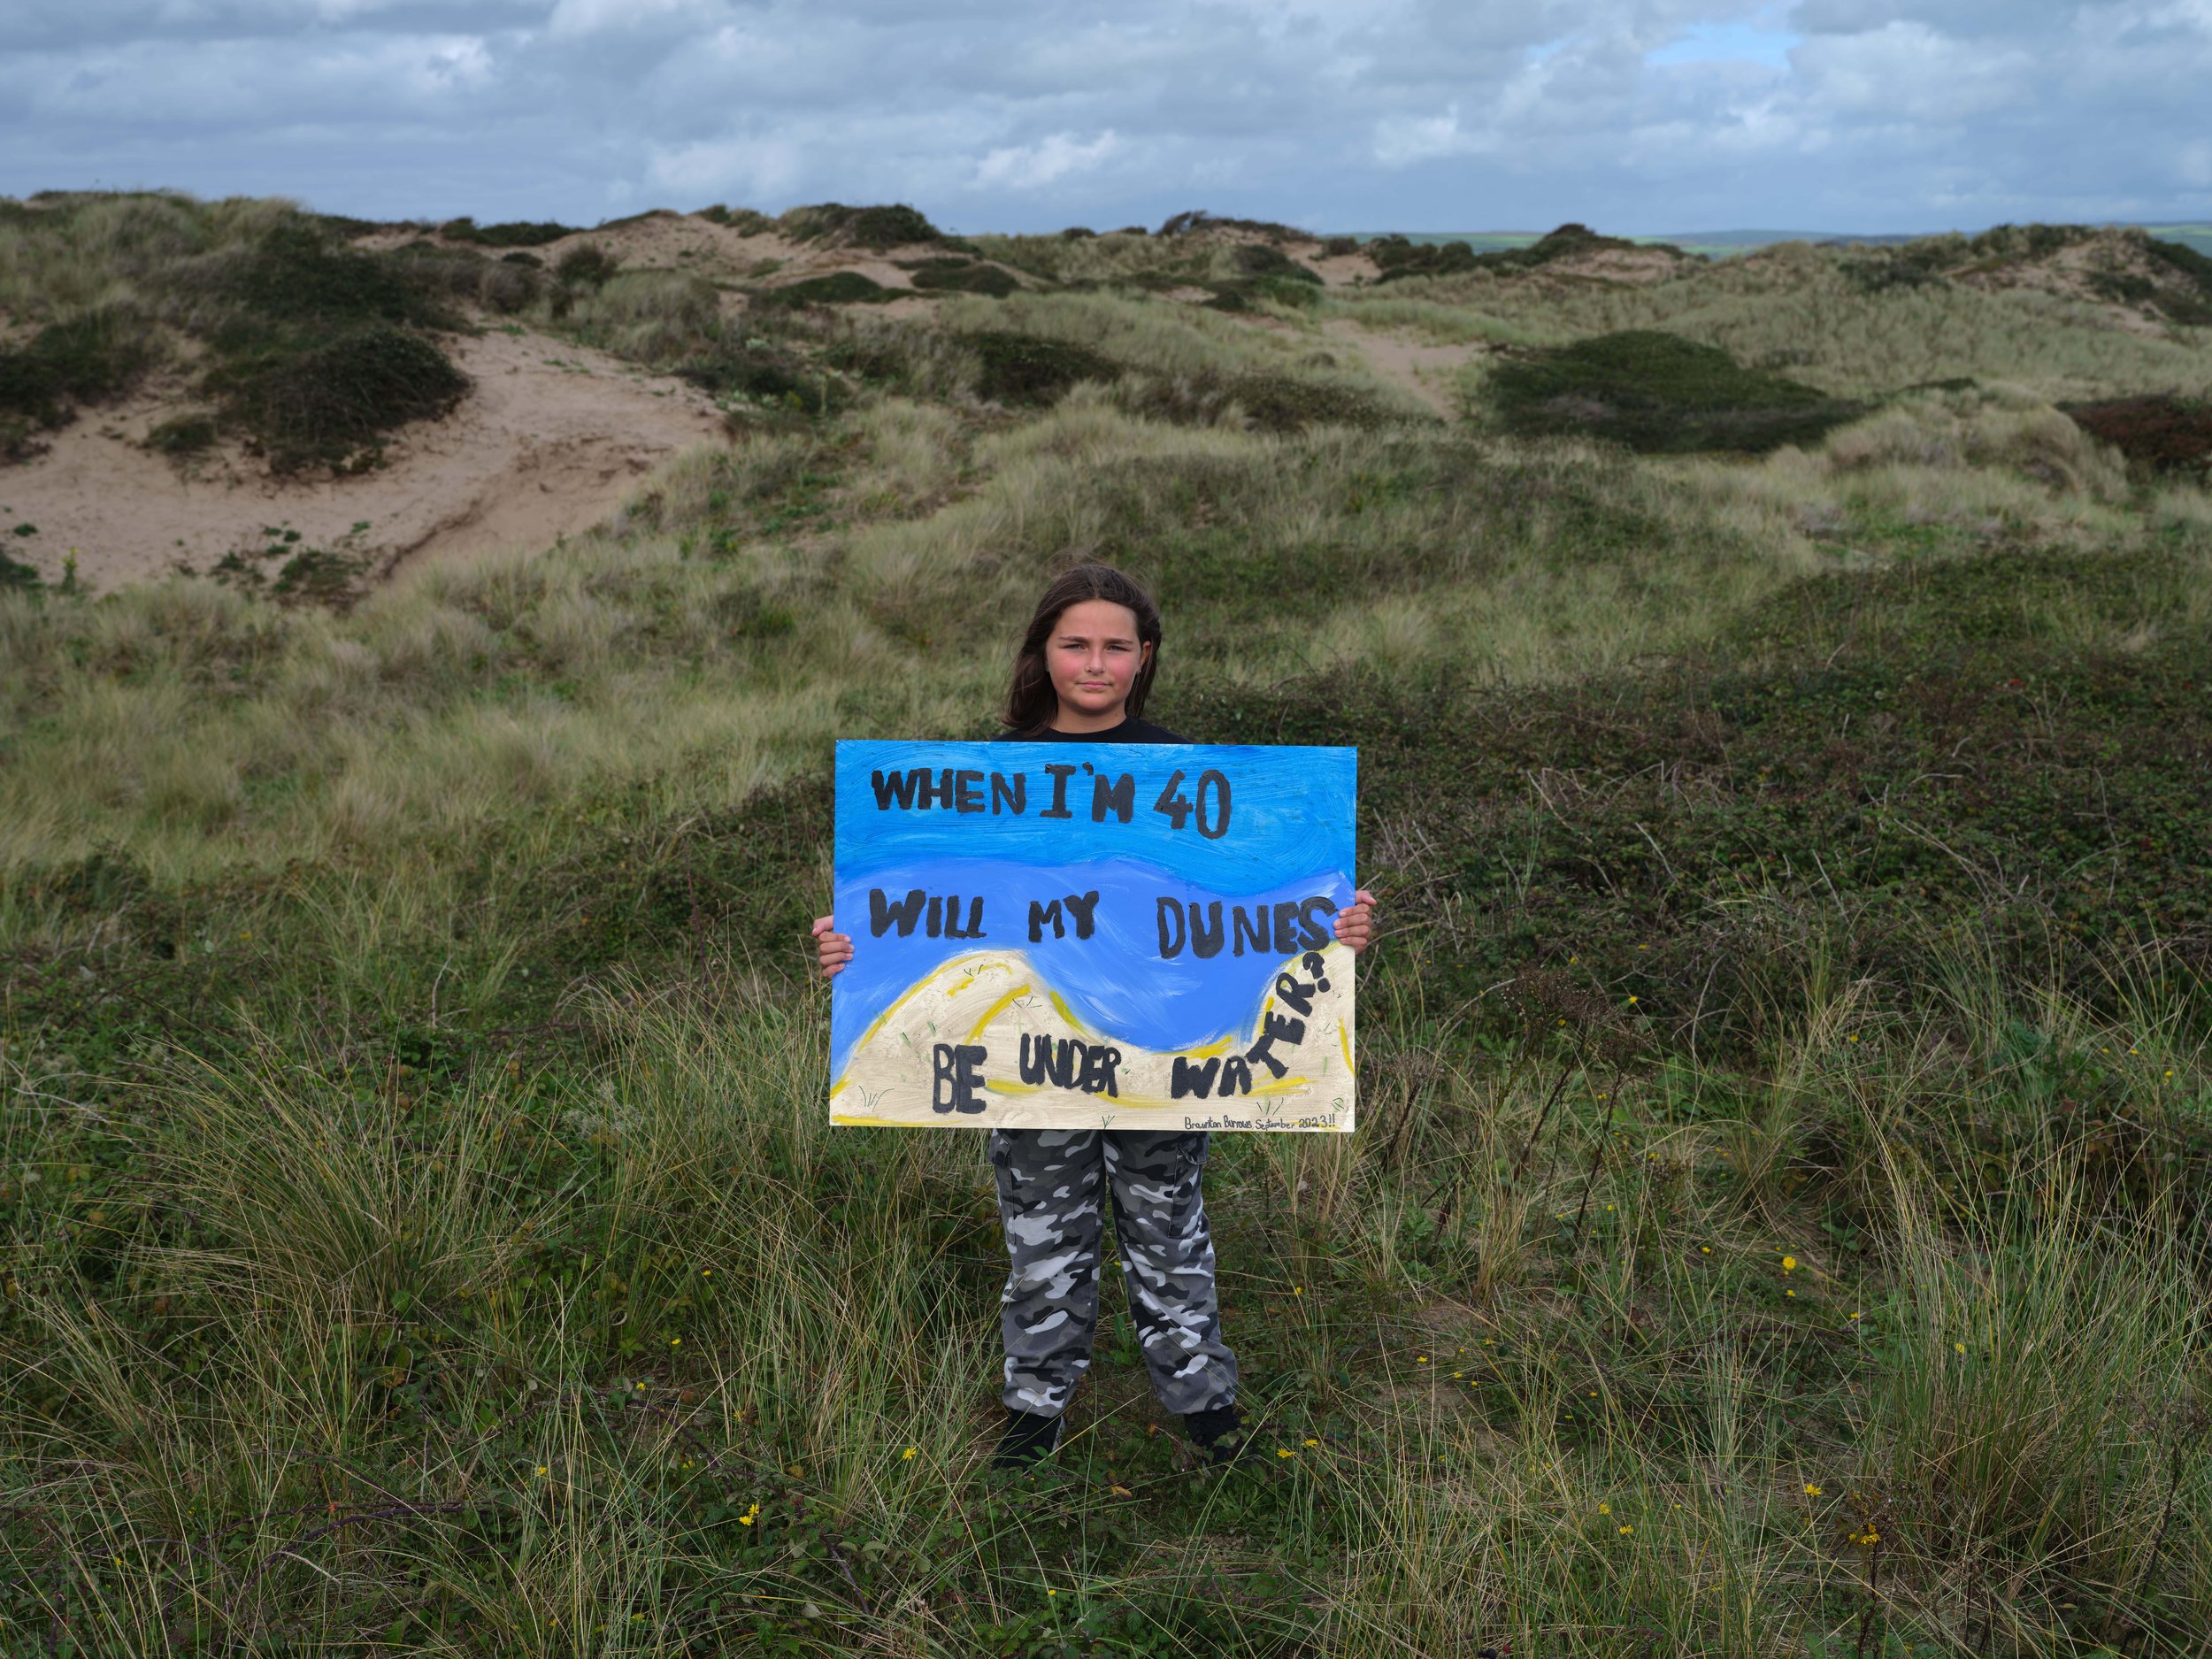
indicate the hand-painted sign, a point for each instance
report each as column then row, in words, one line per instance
column 1085, row 935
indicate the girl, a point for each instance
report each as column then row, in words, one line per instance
column 1082, row 675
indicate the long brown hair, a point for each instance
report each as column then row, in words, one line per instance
column 1030, row 701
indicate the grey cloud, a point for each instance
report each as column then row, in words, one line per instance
column 1357, row 114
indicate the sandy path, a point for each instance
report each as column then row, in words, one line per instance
column 549, row 441
column 1428, row 372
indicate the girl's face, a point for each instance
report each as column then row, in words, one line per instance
column 1093, row 656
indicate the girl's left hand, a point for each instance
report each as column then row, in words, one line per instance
column 1355, row 922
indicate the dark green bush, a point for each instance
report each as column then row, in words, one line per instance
column 183, row 434
column 1337, row 247
column 15, row 574
column 1659, row 394
column 86, row 360
column 586, row 264
column 963, row 277
column 326, row 405
column 518, row 234
column 1247, row 297
column 1022, row 369
column 839, row 288
column 1270, row 402
column 876, row 227
column 293, row 276
column 743, row 220
column 1260, row 259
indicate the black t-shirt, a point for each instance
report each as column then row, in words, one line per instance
column 1130, row 731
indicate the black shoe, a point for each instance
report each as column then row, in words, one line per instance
column 1028, row 1438
column 1218, row 1433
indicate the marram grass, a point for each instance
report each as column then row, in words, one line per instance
column 1777, row 1223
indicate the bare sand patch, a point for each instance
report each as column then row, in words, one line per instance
column 1426, row 371
column 549, row 442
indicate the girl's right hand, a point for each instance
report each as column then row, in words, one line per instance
column 834, row 948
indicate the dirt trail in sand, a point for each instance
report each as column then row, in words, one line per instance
column 549, row 442
column 1426, row 371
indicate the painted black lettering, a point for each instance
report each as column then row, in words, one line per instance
column 967, row 792
column 1274, row 1029
column 883, row 914
column 1312, row 915
column 1294, row 993
column 1120, row 796
column 1286, row 924
column 937, row 795
column 1065, row 1068
column 1188, row 1078
column 1039, row 915
column 1205, row 933
column 1251, row 928
column 935, row 926
column 956, row 1076
column 898, row 787
column 1059, row 774
column 1236, row 1078
column 1084, row 908
column 1171, row 916
column 1010, row 793
column 1098, row 1072
column 1036, row 1054
column 953, row 928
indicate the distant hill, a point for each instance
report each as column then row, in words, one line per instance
column 1719, row 245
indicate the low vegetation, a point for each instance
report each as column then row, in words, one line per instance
column 1777, row 1223
column 1660, row 394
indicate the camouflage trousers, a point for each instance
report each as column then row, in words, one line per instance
column 1052, row 1185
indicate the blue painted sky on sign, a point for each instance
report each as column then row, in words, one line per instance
column 1289, row 837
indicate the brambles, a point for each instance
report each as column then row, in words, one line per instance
column 1659, row 394
column 587, row 265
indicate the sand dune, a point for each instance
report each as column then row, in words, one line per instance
column 549, row 442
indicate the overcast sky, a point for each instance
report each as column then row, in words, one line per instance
column 1631, row 115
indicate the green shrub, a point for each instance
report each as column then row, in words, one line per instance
column 964, row 277
column 586, row 264
column 839, row 288
column 518, row 234
column 529, row 261
column 1268, row 401
column 1023, row 369
column 183, row 434
column 1399, row 259
column 743, row 220
column 324, row 405
column 874, row 228
column 293, row 276
column 1249, row 297
column 86, row 360
column 1659, row 394
column 15, row 574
